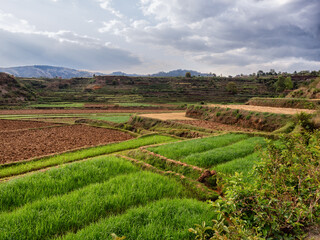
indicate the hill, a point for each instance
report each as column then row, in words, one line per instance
column 43, row 71
column 11, row 91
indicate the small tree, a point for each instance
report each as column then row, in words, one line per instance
column 283, row 84
column 188, row 75
column 232, row 87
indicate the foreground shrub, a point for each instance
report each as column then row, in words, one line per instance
column 282, row 201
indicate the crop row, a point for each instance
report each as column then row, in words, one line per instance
column 23, row 167
column 182, row 149
column 164, row 219
column 57, row 215
column 58, row 181
column 216, row 156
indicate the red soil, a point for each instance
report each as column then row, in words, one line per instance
column 26, row 144
column 10, row 125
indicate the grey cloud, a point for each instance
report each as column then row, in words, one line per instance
column 25, row 49
column 267, row 29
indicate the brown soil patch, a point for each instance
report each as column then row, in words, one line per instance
column 216, row 126
column 11, row 125
column 290, row 111
column 75, row 111
column 26, row 144
column 67, row 120
column 168, row 116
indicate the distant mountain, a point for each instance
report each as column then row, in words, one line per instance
column 38, row 71
column 174, row 73
column 125, row 74
column 178, row 73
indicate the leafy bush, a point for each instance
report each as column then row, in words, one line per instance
column 280, row 203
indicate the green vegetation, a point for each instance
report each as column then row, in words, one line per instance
column 240, row 165
column 165, row 219
column 216, row 156
column 283, row 83
column 116, row 119
column 232, row 88
column 58, row 181
column 57, row 105
column 182, row 149
column 243, row 118
column 281, row 202
column 23, row 167
column 286, row 102
column 135, row 104
column 55, row 216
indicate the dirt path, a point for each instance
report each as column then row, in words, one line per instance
column 277, row 110
column 168, row 116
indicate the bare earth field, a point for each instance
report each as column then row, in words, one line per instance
column 215, row 125
column 290, row 111
column 26, row 144
column 75, row 111
column 10, row 125
column 168, row 116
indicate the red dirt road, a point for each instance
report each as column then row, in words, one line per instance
column 26, row 144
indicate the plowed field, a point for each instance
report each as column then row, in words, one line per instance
column 26, row 144
column 215, row 125
column 10, row 125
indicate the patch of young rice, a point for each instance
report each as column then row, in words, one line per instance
column 116, row 119
column 58, row 181
column 224, row 154
column 164, row 219
column 15, row 169
column 240, row 165
column 55, row 216
column 182, row 149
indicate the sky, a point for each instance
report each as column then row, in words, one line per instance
column 226, row 37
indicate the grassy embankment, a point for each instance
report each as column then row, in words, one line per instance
column 23, row 167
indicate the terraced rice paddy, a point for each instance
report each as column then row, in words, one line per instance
column 137, row 193
column 213, row 151
column 75, row 201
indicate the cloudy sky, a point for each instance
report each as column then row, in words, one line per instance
column 147, row 36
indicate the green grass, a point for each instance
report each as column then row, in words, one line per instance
column 164, row 219
column 116, row 119
column 133, row 104
column 23, row 167
column 58, row 181
column 240, row 165
column 216, row 156
column 182, row 149
column 55, row 216
column 57, row 104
